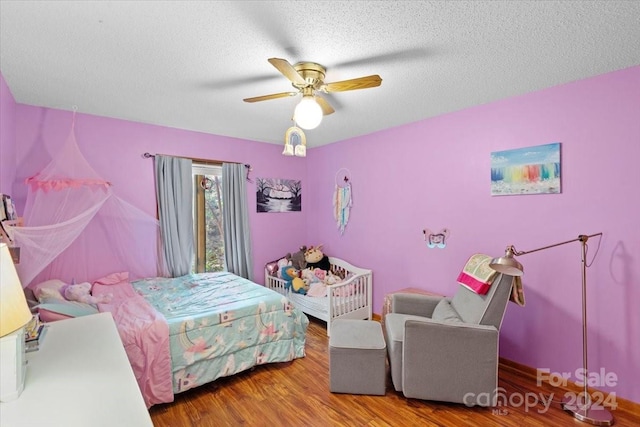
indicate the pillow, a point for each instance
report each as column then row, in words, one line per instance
column 48, row 289
column 445, row 313
column 272, row 268
column 51, row 309
column 48, row 316
column 113, row 278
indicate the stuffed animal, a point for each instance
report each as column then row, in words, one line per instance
column 284, row 262
column 316, row 259
column 320, row 274
column 81, row 292
column 293, row 282
column 297, row 259
column 299, row 286
column 308, row 275
column 331, row 279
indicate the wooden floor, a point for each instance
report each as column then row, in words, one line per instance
column 297, row 394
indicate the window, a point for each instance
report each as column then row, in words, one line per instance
column 207, row 218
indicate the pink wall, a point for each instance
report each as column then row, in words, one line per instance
column 114, row 148
column 7, row 138
column 436, row 173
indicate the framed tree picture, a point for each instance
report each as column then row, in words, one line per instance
column 278, row 195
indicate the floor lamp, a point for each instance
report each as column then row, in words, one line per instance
column 507, row 264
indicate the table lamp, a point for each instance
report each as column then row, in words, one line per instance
column 14, row 315
column 583, row 411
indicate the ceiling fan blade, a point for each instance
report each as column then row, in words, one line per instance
column 272, row 96
column 353, row 84
column 324, row 104
column 287, row 70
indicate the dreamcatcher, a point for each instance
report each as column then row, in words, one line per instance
column 342, row 200
column 206, row 183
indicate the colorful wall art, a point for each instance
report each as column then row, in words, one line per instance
column 529, row 170
column 278, row 195
column 436, row 239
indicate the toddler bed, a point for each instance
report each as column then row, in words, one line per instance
column 351, row 298
column 183, row 332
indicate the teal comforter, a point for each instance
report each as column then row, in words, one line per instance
column 221, row 324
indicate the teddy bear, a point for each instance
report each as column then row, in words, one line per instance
column 331, row 279
column 298, row 259
column 81, row 292
column 316, row 259
column 308, row 275
column 320, row 273
column 293, row 282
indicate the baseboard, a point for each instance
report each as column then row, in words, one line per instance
column 623, row 405
column 376, row 317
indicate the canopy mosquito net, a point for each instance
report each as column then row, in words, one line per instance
column 76, row 228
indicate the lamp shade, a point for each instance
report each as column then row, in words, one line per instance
column 308, row 113
column 14, row 310
column 507, row 264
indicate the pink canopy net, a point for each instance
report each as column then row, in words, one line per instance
column 76, row 228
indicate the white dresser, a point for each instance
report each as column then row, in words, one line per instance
column 80, row 376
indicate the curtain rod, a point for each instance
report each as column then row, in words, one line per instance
column 195, row 159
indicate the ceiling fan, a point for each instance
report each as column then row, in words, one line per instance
column 308, row 79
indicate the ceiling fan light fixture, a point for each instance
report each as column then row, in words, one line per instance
column 308, row 113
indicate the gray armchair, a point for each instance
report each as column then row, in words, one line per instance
column 446, row 349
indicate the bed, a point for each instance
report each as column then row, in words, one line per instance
column 351, row 298
column 184, row 332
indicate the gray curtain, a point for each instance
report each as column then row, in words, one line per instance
column 174, row 190
column 235, row 214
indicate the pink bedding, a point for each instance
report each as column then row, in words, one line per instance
column 145, row 335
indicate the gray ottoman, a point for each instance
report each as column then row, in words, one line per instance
column 357, row 357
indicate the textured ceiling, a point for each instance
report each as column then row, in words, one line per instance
column 189, row 64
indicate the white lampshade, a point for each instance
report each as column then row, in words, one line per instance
column 14, row 310
column 308, row 113
column 14, row 315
